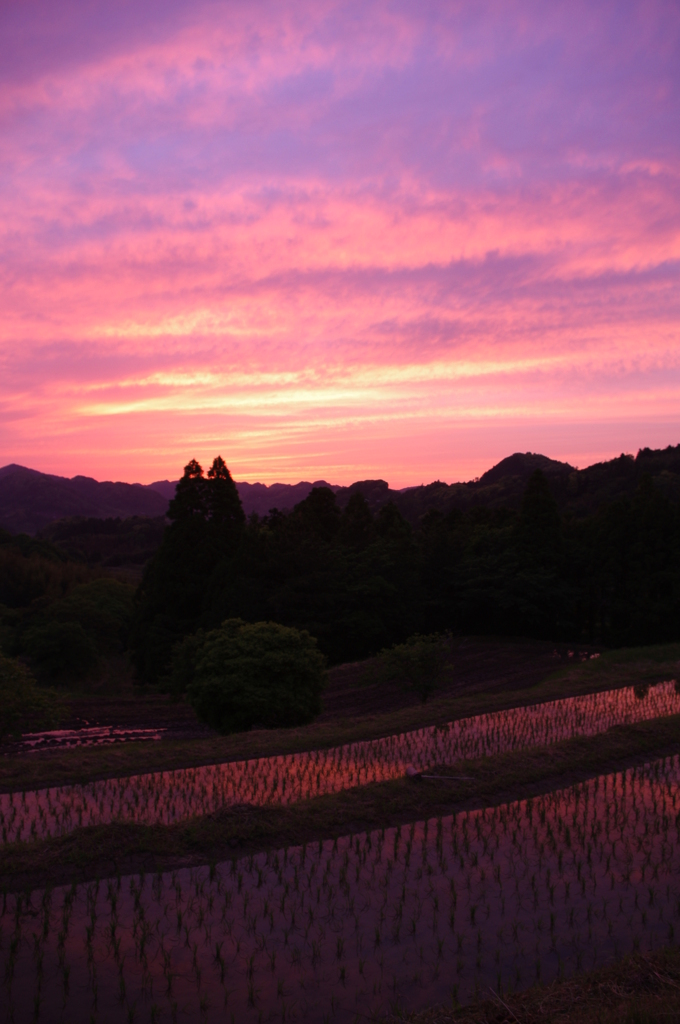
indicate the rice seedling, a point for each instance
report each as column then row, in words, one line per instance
column 166, row 797
column 497, row 898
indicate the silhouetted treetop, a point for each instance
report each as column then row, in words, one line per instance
column 357, row 527
column 189, row 500
column 360, row 580
column 212, row 498
column 223, row 503
column 319, row 514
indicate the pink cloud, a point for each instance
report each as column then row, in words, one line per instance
column 340, row 239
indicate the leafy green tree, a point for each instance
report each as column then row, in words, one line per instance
column 22, row 704
column 61, row 650
column 247, row 674
column 103, row 608
column 418, row 664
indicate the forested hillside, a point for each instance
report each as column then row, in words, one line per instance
column 30, row 502
column 360, row 580
column 534, row 548
column 65, row 619
column 578, row 492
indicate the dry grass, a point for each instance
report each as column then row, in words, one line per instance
column 641, row 989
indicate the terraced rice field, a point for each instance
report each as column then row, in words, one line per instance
column 343, row 931
column 166, row 797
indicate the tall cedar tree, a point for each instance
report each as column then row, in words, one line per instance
column 360, row 581
column 207, row 523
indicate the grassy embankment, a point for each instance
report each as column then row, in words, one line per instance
column 613, row 669
column 641, row 989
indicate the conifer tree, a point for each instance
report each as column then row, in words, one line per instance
column 223, row 504
column 539, row 529
column 190, row 495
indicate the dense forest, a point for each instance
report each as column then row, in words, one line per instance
column 63, row 616
column 360, row 580
column 531, row 549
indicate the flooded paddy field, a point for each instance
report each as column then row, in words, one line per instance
column 171, row 796
column 98, row 721
column 350, row 929
column 87, row 736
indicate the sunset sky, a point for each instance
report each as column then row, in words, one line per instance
column 337, row 240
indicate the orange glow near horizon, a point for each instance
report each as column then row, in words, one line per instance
column 358, row 241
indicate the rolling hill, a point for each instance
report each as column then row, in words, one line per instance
column 30, row 500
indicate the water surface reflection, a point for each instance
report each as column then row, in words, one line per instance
column 403, row 917
column 165, row 797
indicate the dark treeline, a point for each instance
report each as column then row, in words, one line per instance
column 109, row 543
column 360, row 580
column 58, row 613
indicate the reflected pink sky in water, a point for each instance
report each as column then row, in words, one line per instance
column 346, row 929
column 171, row 796
column 339, row 240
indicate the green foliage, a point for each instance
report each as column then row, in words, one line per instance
column 244, row 674
column 418, row 664
column 107, row 542
column 61, row 650
column 361, row 581
column 64, row 635
column 22, row 704
column 103, row 608
column 207, row 527
column 30, row 571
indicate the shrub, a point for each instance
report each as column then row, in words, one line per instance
column 185, row 655
column 418, row 664
column 22, row 704
column 103, row 608
column 60, row 649
column 247, row 674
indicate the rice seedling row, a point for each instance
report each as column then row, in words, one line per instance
column 346, row 930
column 166, row 797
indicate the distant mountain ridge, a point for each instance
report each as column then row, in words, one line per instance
column 30, row 500
column 259, row 498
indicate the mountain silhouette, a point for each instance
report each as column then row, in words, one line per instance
column 30, row 500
